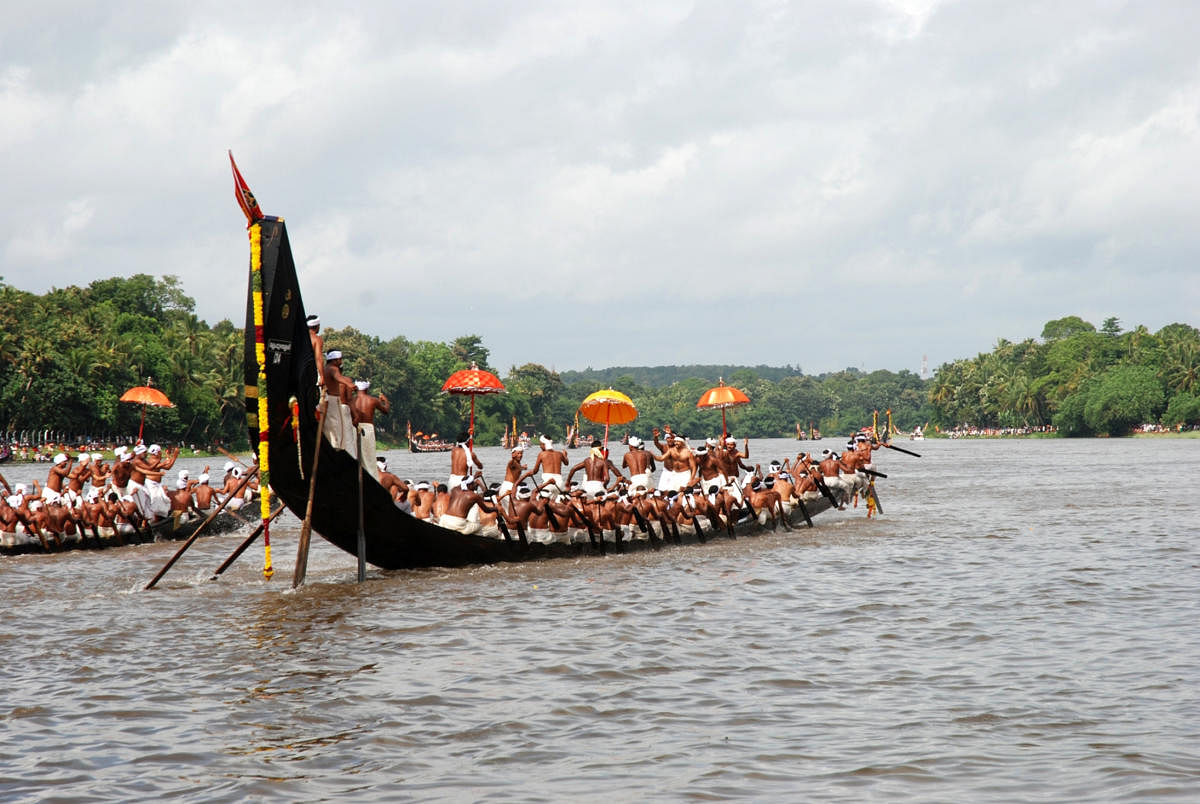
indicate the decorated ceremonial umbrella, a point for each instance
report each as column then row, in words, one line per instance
column 608, row 407
column 145, row 395
column 722, row 396
column 472, row 382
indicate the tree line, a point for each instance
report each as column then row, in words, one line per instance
column 68, row 355
column 1080, row 379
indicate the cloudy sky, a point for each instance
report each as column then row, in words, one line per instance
column 822, row 184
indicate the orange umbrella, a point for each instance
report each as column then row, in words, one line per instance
column 472, row 382
column 722, row 396
column 608, row 407
column 145, row 395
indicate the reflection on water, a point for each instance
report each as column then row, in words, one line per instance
column 1020, row 624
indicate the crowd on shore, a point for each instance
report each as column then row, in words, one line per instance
column 86, row 497
column 699, row 488
column 971, row 431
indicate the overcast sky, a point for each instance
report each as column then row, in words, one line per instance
column 823, row 184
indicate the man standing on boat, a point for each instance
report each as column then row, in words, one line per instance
column 318, row 346
column 59, row 472
column 461, row 458
column 512, row 472
column 678, row 462
column 639, row 463
column 550, row 461
column 596, row 467
column 339, row 418
column 363, row 407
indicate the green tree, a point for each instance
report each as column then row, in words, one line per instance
column 1065, row 328
column 1123, row 398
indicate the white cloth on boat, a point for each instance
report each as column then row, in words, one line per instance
column 641, row 479
column 367, row 457
column 458, row 523
column 557, row 479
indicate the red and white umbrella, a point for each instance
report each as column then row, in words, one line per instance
column 472, row 382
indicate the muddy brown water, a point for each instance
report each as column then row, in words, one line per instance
column 1022, row 623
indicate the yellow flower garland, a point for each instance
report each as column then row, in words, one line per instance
column 260, row 356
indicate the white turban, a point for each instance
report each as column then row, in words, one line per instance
column 333, row 355
column 314, row 320
column 547, row 442
column 634, row 441
column 59, row 458
column 362, row 385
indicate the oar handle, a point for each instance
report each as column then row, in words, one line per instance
column 901, row 449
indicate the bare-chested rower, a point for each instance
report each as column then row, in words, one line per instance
column 60, row 470
column 463, row 498
column 678, row 462
column 513, row 471
column 596, row 468
column 318, row 346
column 639, row 463
column 363, row 407
column 550, row 462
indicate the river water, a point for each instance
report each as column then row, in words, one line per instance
column 1021, row 624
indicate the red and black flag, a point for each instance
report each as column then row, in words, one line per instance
column 245, row 198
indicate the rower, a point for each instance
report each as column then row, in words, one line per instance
column 462, row 500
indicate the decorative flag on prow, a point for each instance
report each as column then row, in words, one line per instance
column 245, row 198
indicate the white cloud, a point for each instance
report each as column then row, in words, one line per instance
column 485, row 159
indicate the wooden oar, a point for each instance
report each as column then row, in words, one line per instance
column 248, row 541
column 231, row 456
column 196, row 533
column 871, row 472
column 804, row 511
column 306, row 528
column 900, row 449
column 875, row 496
column 819, row 480
column 362, row 534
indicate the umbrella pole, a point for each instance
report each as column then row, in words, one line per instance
column 142, row 426
column 471, row 429
column 724, row 429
